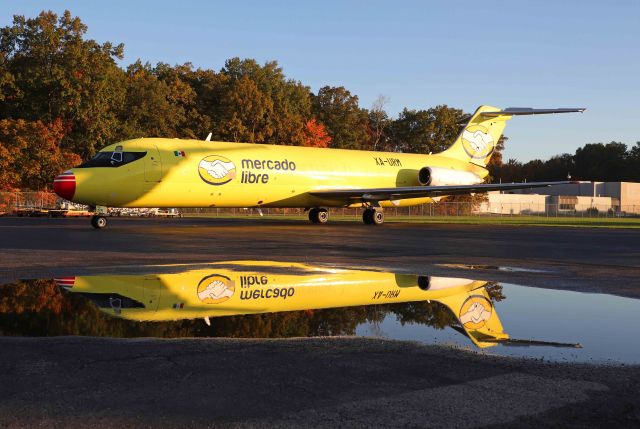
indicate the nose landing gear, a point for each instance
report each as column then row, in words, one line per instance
column 99, row 219
column 98, row 222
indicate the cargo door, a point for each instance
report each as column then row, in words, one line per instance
column 151, row 295
column 152, row 165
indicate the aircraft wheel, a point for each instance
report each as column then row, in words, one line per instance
column 367, row 216
column 98, row 222
column 313, row 215
column 378, row 217
column 318, row 215
column 323, row 215
column 372, row 217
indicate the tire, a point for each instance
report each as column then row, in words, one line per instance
column 313, row 215
column 367, row 216
column 323, row 216
column 98, row 222
column 319, row 215
column 378, row 217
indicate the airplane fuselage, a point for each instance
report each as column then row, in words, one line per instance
column 193, row 173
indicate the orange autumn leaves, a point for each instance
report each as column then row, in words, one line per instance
column 315, row 134
column 30, row 152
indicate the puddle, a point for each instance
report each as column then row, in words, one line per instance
column 492, row 268
column 258, row 299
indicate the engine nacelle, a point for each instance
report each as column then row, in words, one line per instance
column 438, row 176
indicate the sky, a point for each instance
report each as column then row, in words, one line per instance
column 418, row 54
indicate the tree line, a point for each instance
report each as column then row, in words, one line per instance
column 613, row 162
column 63, row 97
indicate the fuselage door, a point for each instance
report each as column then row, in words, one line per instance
column 151, row 292
column 152, row 165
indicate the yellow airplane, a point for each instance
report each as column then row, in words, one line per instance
column 252, row 287
column 157, row 172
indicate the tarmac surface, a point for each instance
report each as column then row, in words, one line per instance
column 321, row 382
column 583, row 259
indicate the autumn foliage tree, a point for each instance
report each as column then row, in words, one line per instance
column 315, row 134
column 30, row 152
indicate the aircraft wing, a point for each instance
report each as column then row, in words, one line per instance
column 404, row 192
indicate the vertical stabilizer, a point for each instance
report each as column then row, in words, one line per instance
column 478, row 139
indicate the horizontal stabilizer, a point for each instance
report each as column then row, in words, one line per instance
column 521, row 111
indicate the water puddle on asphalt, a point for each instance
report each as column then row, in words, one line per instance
column 258, row 299
column 492, row 268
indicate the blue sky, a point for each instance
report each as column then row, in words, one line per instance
column 417, row 53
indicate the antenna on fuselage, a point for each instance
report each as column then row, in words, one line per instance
column 208, row 139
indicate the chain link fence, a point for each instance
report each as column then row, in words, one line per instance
column 49, row 204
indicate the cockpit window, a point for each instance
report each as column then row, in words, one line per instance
column 117, row 158
column 111, row 300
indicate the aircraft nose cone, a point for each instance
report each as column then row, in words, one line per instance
column 65, row 185
column 65, row 282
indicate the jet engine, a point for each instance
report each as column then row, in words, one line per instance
column 439, row 176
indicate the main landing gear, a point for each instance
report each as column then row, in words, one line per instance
column 318, row 215
column 372, row 217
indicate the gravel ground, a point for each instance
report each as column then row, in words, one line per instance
column 323, row 382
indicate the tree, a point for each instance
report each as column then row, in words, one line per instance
column 597, row 161
column 634, row 163
column 50, row 72
column 378, row 123
column 31, row 153
column 316, row 134
column 426, row 131
column 247, row 112
column 345, row 121
column 159, row 102
column 289, row 99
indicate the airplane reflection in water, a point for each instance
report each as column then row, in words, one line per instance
column 250, row 287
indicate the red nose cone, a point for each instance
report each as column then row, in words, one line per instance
column 65, row 282
column 65, row 185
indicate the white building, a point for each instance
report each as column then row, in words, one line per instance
column 583, row 197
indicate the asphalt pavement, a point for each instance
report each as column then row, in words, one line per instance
column 585, row 259
column 319, row 382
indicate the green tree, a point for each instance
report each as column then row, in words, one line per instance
column 426, row 131
column 345, row 121
column 288, row 101
column 634, row 163
column 597, row 161
column 159, row 102
column 247, row 113
column 50, row 72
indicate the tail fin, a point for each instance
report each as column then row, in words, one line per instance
column 477, row 141
column 479, row 137
column 477, row 316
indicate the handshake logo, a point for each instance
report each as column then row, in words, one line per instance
column 475, row 312
column 215, row 289
column 477, row 142
column 216, row 170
